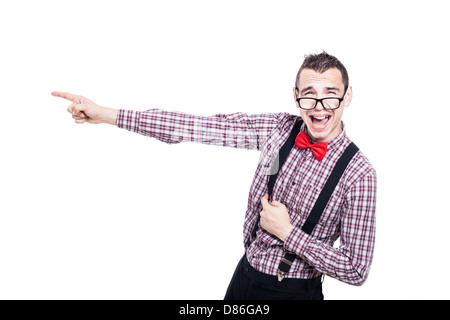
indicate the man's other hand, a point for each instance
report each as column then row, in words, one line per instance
column 275, row 218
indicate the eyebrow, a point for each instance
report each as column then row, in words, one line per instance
column 332, row 89
column 306, row 89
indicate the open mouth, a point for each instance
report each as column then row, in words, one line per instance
column 320, row 122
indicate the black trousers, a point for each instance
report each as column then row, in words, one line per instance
column 250, row 284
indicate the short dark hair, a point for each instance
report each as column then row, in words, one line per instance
column 322, row 62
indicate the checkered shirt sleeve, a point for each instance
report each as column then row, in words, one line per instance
column 237, row 130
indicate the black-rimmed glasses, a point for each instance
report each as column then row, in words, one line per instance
column 329, row 103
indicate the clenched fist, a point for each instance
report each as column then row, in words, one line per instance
column 275, row 218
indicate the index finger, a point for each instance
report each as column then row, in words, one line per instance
column 265, row 200
column 68, row 96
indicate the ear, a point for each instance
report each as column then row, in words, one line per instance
column 295, row 91
column 348, row 97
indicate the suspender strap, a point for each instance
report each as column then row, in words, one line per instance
column 281, row 158
column 329, row 187
column 320, row 204
column 283, row 154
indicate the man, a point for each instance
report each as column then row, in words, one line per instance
column 274, row 224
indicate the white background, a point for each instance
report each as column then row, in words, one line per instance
column 97, row 212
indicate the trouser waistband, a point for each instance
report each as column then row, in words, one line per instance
column 287, row 283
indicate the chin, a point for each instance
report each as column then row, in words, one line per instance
column 318, row 136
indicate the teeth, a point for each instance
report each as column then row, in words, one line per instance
column 320, row 118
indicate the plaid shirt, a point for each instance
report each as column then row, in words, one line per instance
column 350, row 213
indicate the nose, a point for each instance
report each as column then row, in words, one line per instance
column 319, row 105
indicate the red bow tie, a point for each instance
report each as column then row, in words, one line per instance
column 319, row 149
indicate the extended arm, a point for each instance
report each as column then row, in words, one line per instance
column 237, row 130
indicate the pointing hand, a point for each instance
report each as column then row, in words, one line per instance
column 84, row 110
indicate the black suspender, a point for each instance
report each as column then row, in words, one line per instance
column 322, row 200
column 321, row 203
column 283, row 154
column 329, row 187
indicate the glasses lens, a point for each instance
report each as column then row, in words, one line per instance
column 306, row 103
column 331, row 103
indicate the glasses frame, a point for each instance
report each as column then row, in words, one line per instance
column 320, row 100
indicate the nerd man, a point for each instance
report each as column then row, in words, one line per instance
column 312, row 185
